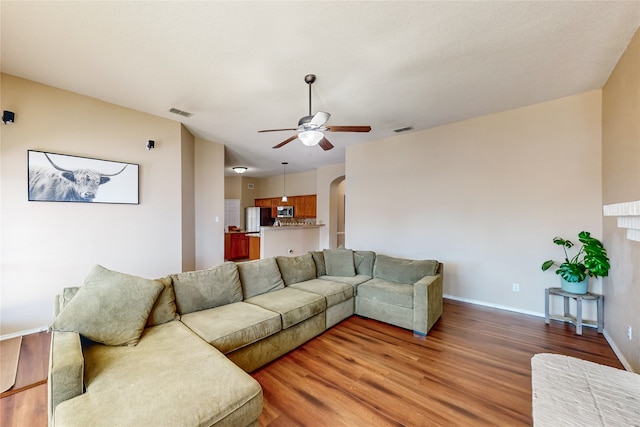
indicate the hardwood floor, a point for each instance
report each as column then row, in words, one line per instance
column 472, row 369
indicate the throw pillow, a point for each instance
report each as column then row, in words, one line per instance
column 203, row 289
column 296, row 269
column 259, row 277
column 164, row 310
column 110, row 308
column 339, row 262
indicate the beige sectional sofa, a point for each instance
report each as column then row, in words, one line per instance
column 176, row 351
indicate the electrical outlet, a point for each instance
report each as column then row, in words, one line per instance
column 629, row 332
column 516, row 287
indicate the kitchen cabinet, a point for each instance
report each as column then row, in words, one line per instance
column 310, row 206
column 298, row 206
column 263, row 203
column 254, row 247
column 236, row 246
column 303, row 206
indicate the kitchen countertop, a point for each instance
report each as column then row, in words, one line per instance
column 287, row 227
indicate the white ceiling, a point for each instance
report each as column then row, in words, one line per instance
column 240, row 66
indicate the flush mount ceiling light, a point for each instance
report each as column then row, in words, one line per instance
column 239, row 169
column 284, row 193
column 311, row 137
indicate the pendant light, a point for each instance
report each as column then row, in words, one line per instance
column 284, row 193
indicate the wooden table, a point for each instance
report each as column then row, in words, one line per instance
column 577, row 320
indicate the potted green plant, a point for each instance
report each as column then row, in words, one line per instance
column 590, row 261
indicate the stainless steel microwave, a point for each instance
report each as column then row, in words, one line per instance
column 285, row 211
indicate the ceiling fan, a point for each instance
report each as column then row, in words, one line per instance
column 311, row 127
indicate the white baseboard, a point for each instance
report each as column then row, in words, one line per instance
column 617, row 351
column 23, row 333
column 498, row 306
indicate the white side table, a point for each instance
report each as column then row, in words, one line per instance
column 577, row 320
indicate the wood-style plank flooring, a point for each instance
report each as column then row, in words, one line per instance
column 472, row 369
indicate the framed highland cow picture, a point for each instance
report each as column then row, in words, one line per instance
column 63, row 178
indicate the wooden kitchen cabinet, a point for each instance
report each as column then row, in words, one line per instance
column 310, row 206
column 236, row 246
column 298, row 206
column 263, row 203
column 303, row 206
column 254, row 247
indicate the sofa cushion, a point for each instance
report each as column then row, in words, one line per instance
column 387, row 292
column 110, row 308
column 296, row 269
column 318, row 258
column 353, row 281
column 164, row 310
column 293, row 305
column 233, row 326
column 171, row 378
column 339, row 262
column 402, row 270
column 334, row 292
column 202, row 289
column 259, row 277
column 365, row 266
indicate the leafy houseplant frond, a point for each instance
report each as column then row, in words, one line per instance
column 590, row 260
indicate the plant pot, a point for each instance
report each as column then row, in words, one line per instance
column 575, row 287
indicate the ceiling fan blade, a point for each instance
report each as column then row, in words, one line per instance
column 286, row 141
column 348, row 128
column 320, row 118
column 276, row 130
column 325, row 144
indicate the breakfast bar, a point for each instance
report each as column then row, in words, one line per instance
column 289, row 240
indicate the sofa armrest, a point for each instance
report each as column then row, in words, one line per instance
column 66, row 368
column 427, row 302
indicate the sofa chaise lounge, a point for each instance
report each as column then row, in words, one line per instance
column 177, row 351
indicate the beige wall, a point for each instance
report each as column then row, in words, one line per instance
column 485, row 196
column 188, row 200
column 297, row 184
column 621, row 183
column 209, row 203
column 233, row 187
column 47, row 246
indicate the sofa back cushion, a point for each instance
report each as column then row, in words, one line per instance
column 318, row 258
column 339, row 262
column 364, row 261
column 164, row 310
column 111, row 308
column 296, row 269
column 402, row 270
column 203, row 289
column 259, row 277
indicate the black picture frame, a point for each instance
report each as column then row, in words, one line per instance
column 54, row 177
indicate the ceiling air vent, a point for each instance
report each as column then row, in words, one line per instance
column 180, row 112
column 404, row 129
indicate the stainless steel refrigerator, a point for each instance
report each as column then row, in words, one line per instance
column 257, row 217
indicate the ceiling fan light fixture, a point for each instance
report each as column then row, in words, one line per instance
column 311, row 137
column 239, row 169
